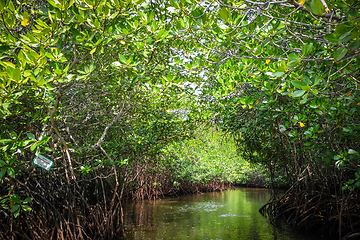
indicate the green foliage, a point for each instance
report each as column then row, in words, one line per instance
column 13, row 202
column 210, row 156
column 92, row 84
column 288, row 94
column 114, row 86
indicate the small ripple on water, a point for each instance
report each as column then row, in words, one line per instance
column 233, row 215
column 207, row 207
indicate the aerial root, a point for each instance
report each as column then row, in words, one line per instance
column 318, row 209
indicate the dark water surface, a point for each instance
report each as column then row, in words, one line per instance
column 219, row 215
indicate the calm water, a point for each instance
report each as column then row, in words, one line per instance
column 219, row 215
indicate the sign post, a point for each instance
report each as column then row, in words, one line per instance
column 43, row 162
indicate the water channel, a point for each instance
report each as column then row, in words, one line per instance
column 219, row 215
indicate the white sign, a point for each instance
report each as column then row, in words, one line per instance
column 43, row 162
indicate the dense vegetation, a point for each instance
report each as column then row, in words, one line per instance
column 118, row 93
column 211, row 158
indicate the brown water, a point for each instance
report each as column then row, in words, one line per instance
column 219, row 215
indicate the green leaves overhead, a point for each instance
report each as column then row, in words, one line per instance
column 294, row 57
column 317, row 7
column 109, row 73
column 298, row 93
column 225, row 13
column 307, row 49
column 331, row 37
column 131, row 76
column 297, row 83
column 339, row 54
column 283, row 81
column 63, row 5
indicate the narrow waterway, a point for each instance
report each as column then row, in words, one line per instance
column 218, row 215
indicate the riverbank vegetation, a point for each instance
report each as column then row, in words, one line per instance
column 211, row 158
column 137, row 99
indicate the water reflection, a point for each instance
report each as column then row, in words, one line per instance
column 220, row 215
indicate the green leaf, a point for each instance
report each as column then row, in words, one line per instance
column 11, row 6
column 13, row 135
column 160, row 33
column 26, row 208
column 282, row 67
column 316, row 81
column 343, row 29
column 346, row 129
column 10, row 20
column 331, row 37
column 15, row 208
column 319, row 6
column 298, row 93
column 16, row 75
column 45, row 140
column 355, row 35
column 351, row 151
column 307, row 48
column 2, row 5
column 11, row 172
column 174, row 4
column 13, row 160
column 2, row 163
column 8, row 64
column 282, row 128
column 294, row 57
column 306, row 80
column 27, row 200
column 37, row 114
column 15, row 198
column 32, row 148
column 49, row 86
column 339, row 54
column 9, row 71
column 267, row 85
column 314, row 91
column 31, row 136
column 5, row 141
column 47, row 149
column 265, row 42
column 5, row 206
column 304, row 100
column 122, row 58
column 93, row 50
column 297, row 83
column 278, row 74
column 292, row 63
column 2, row 173
column 306, row 88
column 345, row 37
column 316, row 7
column 16, row 213
column 225, row 14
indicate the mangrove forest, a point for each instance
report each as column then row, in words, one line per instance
column 106, row 102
